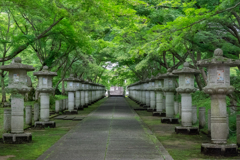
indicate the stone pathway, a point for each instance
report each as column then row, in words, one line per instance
column 114, row 131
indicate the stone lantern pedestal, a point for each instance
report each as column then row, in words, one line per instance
column 18, row 88
column 169, row 89
column 71, row 89
column 186, row 87
column 78, row 86
column 82, row 94
column 218, row 87
column 159, row 96
column 45, row 89
column 86, row 94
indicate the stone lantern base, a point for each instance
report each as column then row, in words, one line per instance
column 187, row 130
column 40, row 124
column 169, row 120
column 19, row 138
column 151, row 110
column 158, row 113
column 219, row 149
column 67, row 112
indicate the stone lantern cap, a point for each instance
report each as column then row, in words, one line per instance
column 17, row 65
column 186, row 78
column 169, row 85
column 19, row 84
column 45, row 72
column 159, row 79
column 71, row 79
column 186, row 70
column 169, row 74
column 218, row 59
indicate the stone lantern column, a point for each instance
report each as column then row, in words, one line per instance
column 147, row 94
column 45, row 88
column 152, row 95
column 159, row 96
column 169, row 89
column 218, row 87
column 71, row 89
column 86, row 94
column 77, row 94
column 186, row 87
column 17, row 86
column 82, row 94
column 90, row 93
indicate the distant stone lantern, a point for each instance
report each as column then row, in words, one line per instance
column 78, row 94
column 17, row 87
column 159, row 95
column 147, row 92
column 169, row 89
column 186, row 87
column 71, row 88
column 45, row 78
column 218, row 87
column 152, row 94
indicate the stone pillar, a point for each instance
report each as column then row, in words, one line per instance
column 70, row 101
column 17, row 121
column 7, row 120
column 186, row 109
column 164, row 104
column 36, row 112
column 82, row 98
column 180, row 110
column 147, row 98
column 61, row 105
column 202, row 120
column 86, row 98
column 78, row 98
column 238, row 129
column 169, row 104
column 64, row 104
column 57, row 106
column 194, row 114
column 152, row 100
column 176, row 106
column 159, row 101
column 218, row 119
column 44, row 102
column 209, row 121
column 28, row 112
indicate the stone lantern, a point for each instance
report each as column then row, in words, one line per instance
column 82, row 102
column 218, row 87
column 45, row 78
column 86, row 94
column 159, row 96
column 186, row 87
column 151, row 89
column 146, row 88
column 143, row 95
column 18, row 88
column 169, row 89
column 71, row 89
column 78, row 94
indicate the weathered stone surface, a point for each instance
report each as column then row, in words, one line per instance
column 17, row 138
column 28, row 113
column 7, row 120
column 186, row 130
column 50, row 124
column 202, row 119
column 176, row 107
column 44, row 102
column 36, row 112
column 17, row 120
column 219, row 149
column 70, row 101
column 57, row 106
column 194, row 114
column 238, row 129
column 209, row 121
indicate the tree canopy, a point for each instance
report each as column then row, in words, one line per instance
column 116, row 42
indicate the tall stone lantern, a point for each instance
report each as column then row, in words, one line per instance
column 159, row 96
column 169, row 89
column 18, row 88
column 71, row 88
column 146, row 88
column 218, row 87
column 186, row 87
column 78, row 94
column 45, row 88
